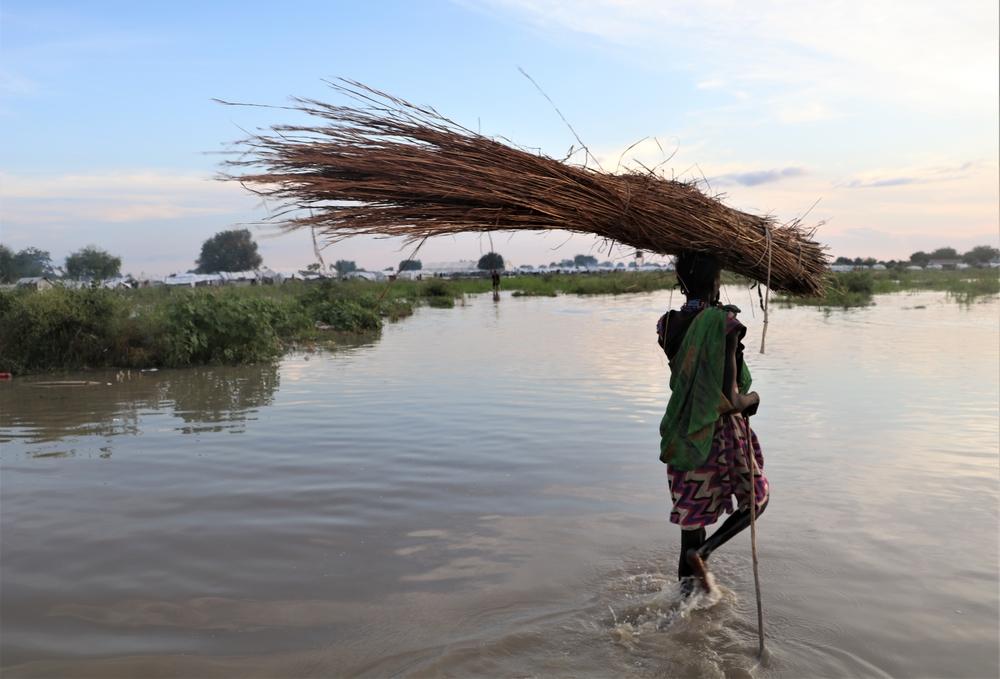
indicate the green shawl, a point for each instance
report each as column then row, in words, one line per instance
column 696, row 397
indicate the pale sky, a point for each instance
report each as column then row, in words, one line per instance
column 884, row 112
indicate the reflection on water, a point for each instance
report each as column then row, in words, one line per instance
column 220, row 399
column 112, row 403
column 477, row 494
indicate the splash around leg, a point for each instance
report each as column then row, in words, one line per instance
column 699, row 569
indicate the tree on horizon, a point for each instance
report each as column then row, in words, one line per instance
column 233, row 250
column 93, row 263
column 27, row 263
column 945, row 253
column 981, row 254
column 344, row 266
column 490, row 261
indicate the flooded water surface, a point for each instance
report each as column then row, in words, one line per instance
column 478, row 493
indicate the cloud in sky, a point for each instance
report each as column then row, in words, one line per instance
column 906, row 176
column 158, row 220
column 155, row 219
column 114, row 197
column 932, row 209
column 757, row 177
column 874, row 108
column 889, row 99
column 13, row 84
column 878, row 49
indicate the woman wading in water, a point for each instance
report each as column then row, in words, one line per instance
column 705, row 433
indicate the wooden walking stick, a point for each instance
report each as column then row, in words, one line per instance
column 752, row 466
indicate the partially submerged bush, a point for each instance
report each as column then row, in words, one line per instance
column 858, row 282
column 219, row 328
column 92, row 328
column 343, row 307
column 347, row 316
column 437, row 288
column 395, row 309
column 60, row 328
column 439, row 302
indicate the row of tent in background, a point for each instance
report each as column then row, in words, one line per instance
column 191, row 280
column 461, row 269
column 266, row 276
column 470, row 269
column 933, row 265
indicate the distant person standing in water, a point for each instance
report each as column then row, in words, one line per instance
column 705, row 433
column 496, row 284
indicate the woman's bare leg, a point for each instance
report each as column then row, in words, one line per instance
column 732, row 526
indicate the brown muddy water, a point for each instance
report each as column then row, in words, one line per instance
column 478, row 494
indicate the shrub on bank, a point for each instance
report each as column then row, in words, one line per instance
column 225, row 328
column 857, row 288
column 347, row 316
column 395, row 309
column 439, row 302
column 857, row 282
column 62, row 328
column 343, row 307
column 437, row 288
column 152, row 327
column 92, row 328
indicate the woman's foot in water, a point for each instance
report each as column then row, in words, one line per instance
column 699, row 569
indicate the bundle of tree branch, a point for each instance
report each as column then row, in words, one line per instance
column 386, row 167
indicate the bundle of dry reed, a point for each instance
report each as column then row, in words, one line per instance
column 385, row 167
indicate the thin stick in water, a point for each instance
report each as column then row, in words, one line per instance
column 752, row 465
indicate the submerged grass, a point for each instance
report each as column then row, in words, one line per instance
column 858, row 288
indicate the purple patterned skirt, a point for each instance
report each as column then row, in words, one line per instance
column 702, row 495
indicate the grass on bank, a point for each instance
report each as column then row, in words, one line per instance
column 93, row 328
column 858, row 288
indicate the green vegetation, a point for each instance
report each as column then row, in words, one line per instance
column 843, row 291
column 344, row 267
column 225, row 328
column 981, row 254
column 491, row 261
column 857, row 288
column 176, row 327
column 233, row 250
column 26, row 263
column 93, row 263
column 162, row 327
column 439, row 294
column 63, row 329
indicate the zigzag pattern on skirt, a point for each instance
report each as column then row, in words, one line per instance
column 702, row 495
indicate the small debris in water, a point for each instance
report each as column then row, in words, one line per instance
column 66, row 383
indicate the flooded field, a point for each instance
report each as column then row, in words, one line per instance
column 477, row 493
